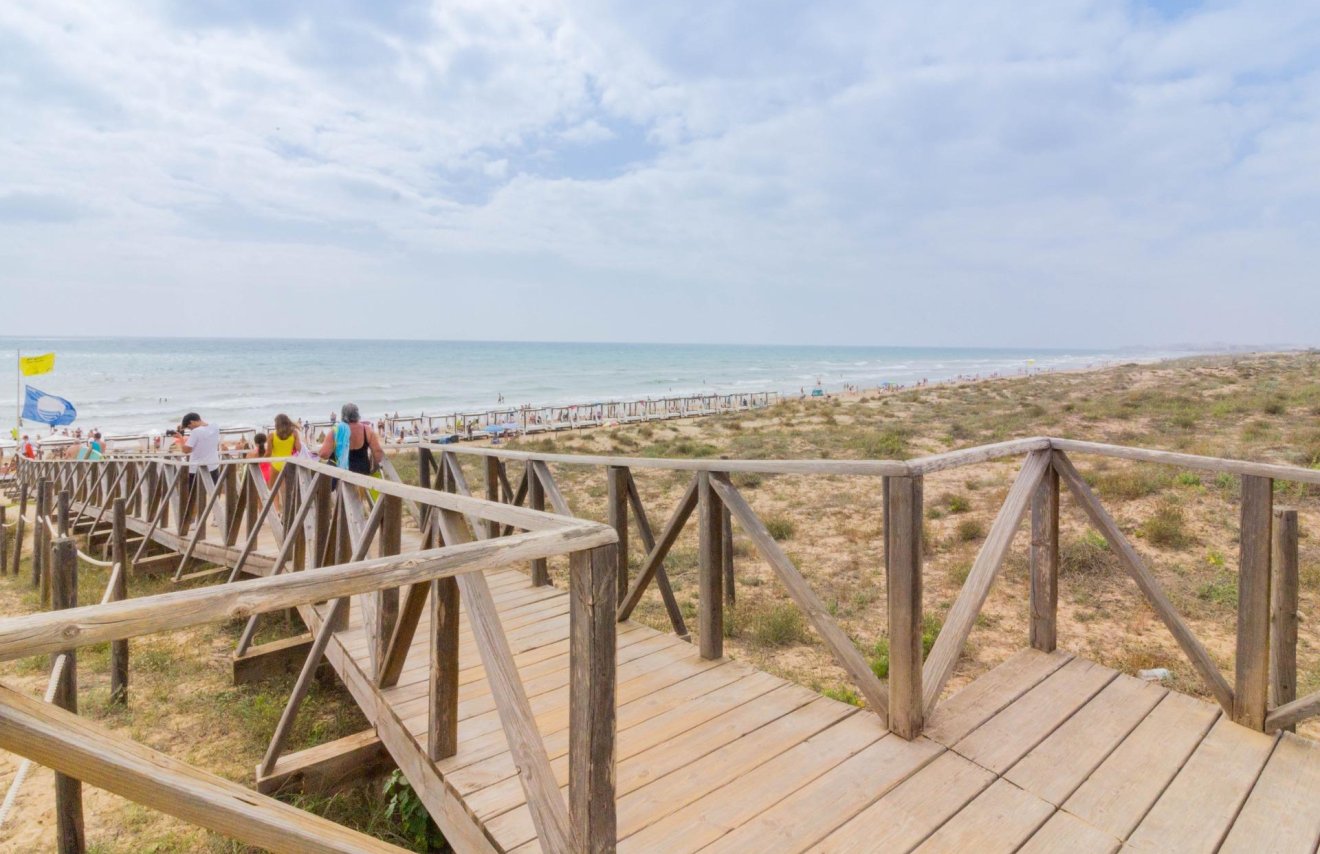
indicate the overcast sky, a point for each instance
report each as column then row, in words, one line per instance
column 1003, row 172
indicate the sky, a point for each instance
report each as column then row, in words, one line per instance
column 1033, row 172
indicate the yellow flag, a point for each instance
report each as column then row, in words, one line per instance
column 33, row 365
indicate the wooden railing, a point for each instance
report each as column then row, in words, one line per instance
column 1267, row 607
column 324, row 535
column 325, row 530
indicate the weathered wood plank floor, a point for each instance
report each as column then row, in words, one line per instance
column 1045, row 753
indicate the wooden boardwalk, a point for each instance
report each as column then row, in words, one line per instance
column 1045, row 753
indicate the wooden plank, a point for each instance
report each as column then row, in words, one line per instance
column 1283, row 608
column 1196, row 811
column 1000, row 819
column 1044, row 632
column 913, row 810
column 69, row 834
column 595, row 578
column 1065, row 832
column 661, row 578
column 1011, row 734
column 1145, row 579
column 549, row 812
column 903, row 571
column 960, row 620
column 117, row 590
column 985, row 697
column 1291, row 714
column 728, row 807
column 1281, row 813
column 1190, row 461
column 326, row 768
column 806, row 816
column 80, row 748
column 551, row 489
column 616, row 509
column 971, row 456
column 835, row 638
column 1058, row 765
column 710, row 570
column 536, row 501
column 1119, row 793
column 285, row 655
column 1251, row 688
column 657, row 550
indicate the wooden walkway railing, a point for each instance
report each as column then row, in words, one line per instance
column 331, row 518
column 323, row 523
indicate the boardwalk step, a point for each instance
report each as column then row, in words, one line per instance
column 327, row 767
column 157, row 564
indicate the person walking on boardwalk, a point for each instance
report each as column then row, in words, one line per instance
column 352, row 444
column 259, row 452
column 202, row 445
column 285, row 441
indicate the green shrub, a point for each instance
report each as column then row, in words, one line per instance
column 1129, row 484
column 970, row 529
column 885, row 444
column 930, row 630
column 1167, row 528
column 779, row 527
column 1088, row 554
column 1220, row 590
column 417, row 825
column 780, row 625
column 843, row 694
column 1188, row 478
column 958, row 504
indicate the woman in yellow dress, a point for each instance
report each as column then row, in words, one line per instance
column 284, row 442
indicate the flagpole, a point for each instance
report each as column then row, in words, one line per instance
column 18, row 391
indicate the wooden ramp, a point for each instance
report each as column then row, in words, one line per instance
column 1045, row 753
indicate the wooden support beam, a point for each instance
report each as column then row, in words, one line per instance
column 653, row 566
column 710, row 537
column 269, row 659
column 592, row 731
column 616, row 503
column 549, row 814
column 1283, row 610
column 840, row 645
column 20, row 526
column 1251, row 688
column 960, row 620
column 117, row 593
column 492, row 465
column 390, row 542
column 254, row 529
column 89, row 752
column 726, row 553
column 40, row 534
column 1145, row 579
column 442, row 680
column 69, row 835
column 157, row 564
column 536, row 501
column 903, row 497
column 1045, row 563
column 327, row 768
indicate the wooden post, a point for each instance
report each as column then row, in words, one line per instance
column 1283, row 611
column 22, row 523
column 119, row 592
column 492, row 492
column 390, row 538
column 4, row 541
column 617, row 508
column 710, row 536
column 730, row 596
column 593, row 597
column 183, row 499
column 1252, row 684
column 1045, row 563
column 536, row 501
column 68, row 791
column 41, row 541
column 233, row 507
column 323, row 509
column 62, row 512
column 442, row 740
column 903, row 500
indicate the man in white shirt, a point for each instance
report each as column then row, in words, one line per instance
column 202, row 445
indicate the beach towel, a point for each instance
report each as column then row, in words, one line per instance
column 343, row 435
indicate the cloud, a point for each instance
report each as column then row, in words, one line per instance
column 1063, row 173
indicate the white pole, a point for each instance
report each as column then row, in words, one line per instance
column 18, row 391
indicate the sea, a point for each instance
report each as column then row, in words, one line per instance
column 138, row 385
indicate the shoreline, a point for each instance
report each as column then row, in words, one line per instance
column 482, row 419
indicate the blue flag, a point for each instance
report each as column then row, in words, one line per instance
column 47, row 408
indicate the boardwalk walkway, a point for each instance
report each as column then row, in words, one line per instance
column 1046, row 752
